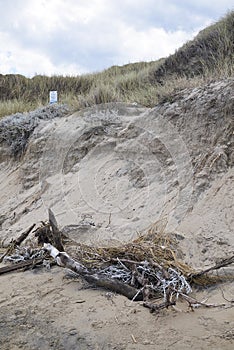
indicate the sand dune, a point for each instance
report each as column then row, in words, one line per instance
column 108, row 172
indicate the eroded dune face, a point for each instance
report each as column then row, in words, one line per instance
column 110, row 171
column 107, row 173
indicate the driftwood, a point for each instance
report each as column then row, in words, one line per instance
column 146, row 269
column 64, row 260
column 16, row 242
column 156, row 307
column 23, row 236
column 56, row 233
column 115, row 286
column 143, row 292
column 21, row 265
column 46, row 233
column 49, row 233
column 43, row 234
column 217, row 266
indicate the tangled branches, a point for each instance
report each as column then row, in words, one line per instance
column 151, row 281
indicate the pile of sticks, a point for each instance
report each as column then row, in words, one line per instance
column 146, row 269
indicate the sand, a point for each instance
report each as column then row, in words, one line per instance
column 109, row 172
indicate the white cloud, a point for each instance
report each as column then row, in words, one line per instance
column 150, row 44
column 17, row 60
column 76, row 36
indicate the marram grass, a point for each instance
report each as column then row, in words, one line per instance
column 210, row 56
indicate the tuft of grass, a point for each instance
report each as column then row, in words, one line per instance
column 10, row 107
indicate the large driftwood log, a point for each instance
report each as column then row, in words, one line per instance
column 114, row 286
column 64, row 260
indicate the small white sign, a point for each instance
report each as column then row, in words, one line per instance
column 53, row 96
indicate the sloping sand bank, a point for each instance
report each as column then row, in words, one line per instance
column 108, row 173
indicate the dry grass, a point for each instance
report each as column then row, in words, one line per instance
column 10, row 107
column 153, row 246
column 209, row 56
column 210, row 53
column 158, row 249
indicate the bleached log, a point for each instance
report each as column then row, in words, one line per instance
column 64, row 260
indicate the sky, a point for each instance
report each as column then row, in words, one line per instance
column 73, row 37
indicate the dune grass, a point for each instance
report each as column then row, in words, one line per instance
column 209, row 56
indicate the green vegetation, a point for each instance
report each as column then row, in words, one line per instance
column 209, row 56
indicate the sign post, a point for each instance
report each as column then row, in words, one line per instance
column 53, row 97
